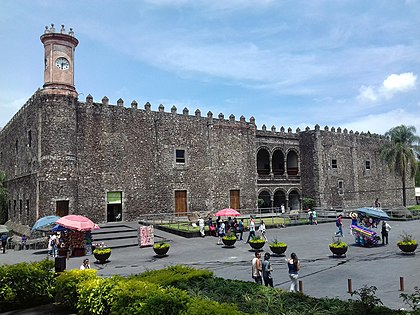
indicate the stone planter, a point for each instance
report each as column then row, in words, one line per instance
column 229, row 243
column 407, row 248
column 278, row 250
column 340, row 251
column 161, row 251
column 102, row 258
column 256, row 245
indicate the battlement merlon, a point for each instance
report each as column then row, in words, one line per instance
column 173, row 111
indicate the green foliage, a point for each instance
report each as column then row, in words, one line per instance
column 412, row 299
column 407, row 239
column 308, row 203
column 400, row 153
column 134, row 296
column 173, row 275
column 3, row 198
column 197, row 305
column 161, row 245
column 101, row 251
column 26, row 284
column 229, row 237
column 418, row 174
column 367, row 300
column 95, row 296
column 67, row 285
column 277, row 243
column 256, row 239
column 337, row 243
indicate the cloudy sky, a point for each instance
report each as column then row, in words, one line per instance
column 351, row 64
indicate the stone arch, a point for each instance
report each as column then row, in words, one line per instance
column 294, row 199
column 263, row 161
column 278, row 162
column 265, row 195
column 292, row 163
column 279, row 198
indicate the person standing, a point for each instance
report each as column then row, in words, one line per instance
column 241, row 228
column 4, row 239
column 311, row 217
column 23, row 241
column 201, row 226
column 251, row 229
column 257, row 268
column 294, row 267
column 266, row 271
column 221, row 232
column 315, row 220
column 385, row 231
column 283, row 210
column 377, row 203
column 339, row 225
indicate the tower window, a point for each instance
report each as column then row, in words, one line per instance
column 367, row 164
column 333, row 163
column 340, row 187
column 17, row 146
column 29, row 138
column 180, row 156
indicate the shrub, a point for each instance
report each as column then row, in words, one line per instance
column 101, row 251
column 173, row 275
column 257, row 239
column 26, row 284
column 407, row 239
column 134, row 296
column 67, row 284
column 197, row 305
column 276, row 243
column 161, row 245
column 412, row 299
column 229, row 237
column 337, row 243
column 95, row 295
column 367, row 300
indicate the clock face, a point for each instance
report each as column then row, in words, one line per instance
column 62, row 63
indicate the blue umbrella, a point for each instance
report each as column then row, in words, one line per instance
column 373, row 213
column 58, row 228
column 45, row 222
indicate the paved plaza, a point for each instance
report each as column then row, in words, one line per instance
column 322, row 275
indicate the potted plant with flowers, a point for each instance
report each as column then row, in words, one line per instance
column 338, row 247
column 229, row 240
column 277, row 247
column 256, row 242
column 161, row 248
column 407, row 244
column 102, row 253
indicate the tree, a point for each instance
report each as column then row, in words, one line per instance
column 400, row 153
column 3, row 198
column 418, row 174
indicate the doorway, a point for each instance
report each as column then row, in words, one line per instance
column 62, row 208
column 114, row 206
column 180, row 202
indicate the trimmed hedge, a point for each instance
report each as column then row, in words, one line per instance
column 26, row 284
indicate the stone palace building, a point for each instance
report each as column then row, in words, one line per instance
column 109, row 162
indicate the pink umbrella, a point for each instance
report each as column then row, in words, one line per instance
column 77, row 222
column 228, row 212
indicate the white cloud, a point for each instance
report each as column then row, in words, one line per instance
column 393, row 84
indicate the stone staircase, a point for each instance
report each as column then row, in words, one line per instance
column 116, row 235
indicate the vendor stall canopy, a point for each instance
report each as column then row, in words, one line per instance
column 373, row 213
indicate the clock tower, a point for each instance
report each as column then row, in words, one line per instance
column 59, row 61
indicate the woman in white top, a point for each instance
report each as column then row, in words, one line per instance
column 85, row 264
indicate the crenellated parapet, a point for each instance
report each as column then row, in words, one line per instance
column 28, row 103
column 147, row 108
column 344, row 131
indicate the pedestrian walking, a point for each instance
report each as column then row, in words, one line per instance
column 314, row 215
column 294, row 267
column 4, row 239
column 339, row 225
column 251, row 229
column 23, row 240
column 311, row 217
column 267, row 271
column 257, row 268
column 385, row 231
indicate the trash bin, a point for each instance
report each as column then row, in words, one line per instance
column 60, row 263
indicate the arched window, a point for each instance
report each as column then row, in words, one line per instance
column 263, row 162
column 294, row 200
column 279, row 199
column 278, row 162
column 292, row 163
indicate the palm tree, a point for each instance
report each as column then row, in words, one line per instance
column 400, row 153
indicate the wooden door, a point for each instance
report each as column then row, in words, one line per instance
column 180, row 202
column 235, row 202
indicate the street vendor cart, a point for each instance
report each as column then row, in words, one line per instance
column 365, row 221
